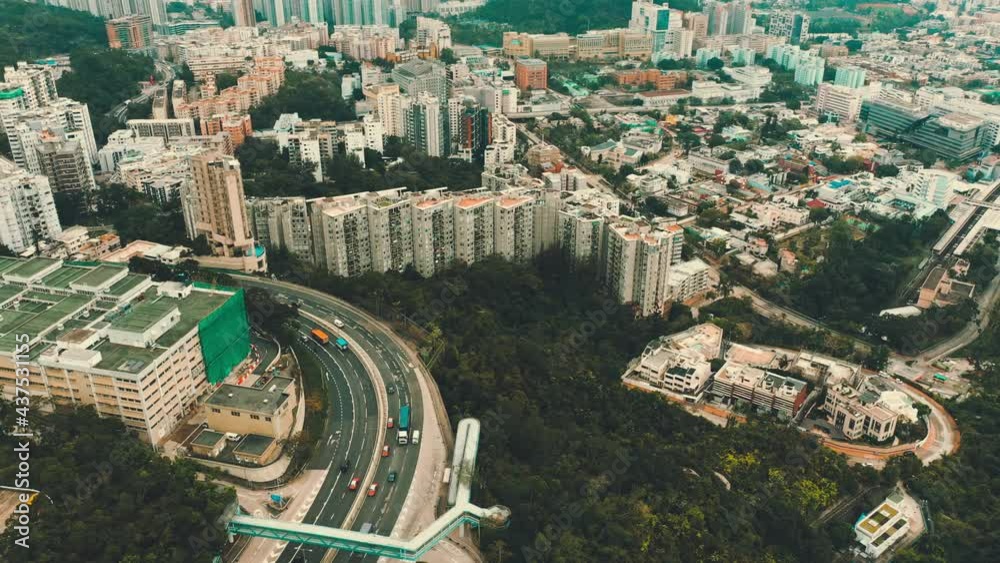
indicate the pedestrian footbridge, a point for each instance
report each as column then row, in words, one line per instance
column 462, row 512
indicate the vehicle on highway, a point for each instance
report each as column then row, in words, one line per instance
column 338, row 323
column 416, row 437
column 385, row 451
column 392, row 476
column 341, row 344
column 344, row 467
column 403, row 436
column 320, row 336
column 391, row 390
column 354, row 484
column 390, row 423
column 373, row 489
column 366, row 528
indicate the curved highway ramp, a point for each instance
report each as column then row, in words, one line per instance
column 462, row 512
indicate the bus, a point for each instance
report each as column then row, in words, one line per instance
column 341, row 344
column 404, row 425
column 320, row 336
column 939, row 377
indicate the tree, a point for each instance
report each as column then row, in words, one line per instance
column 754, row 166
column 448, row 57
column 886, row 170
column 100, row 477
column 224, row 80
column 311, row 95
column 853, row 45
column 688, row 140
column 715, row 63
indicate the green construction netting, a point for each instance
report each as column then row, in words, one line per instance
column 225, row 338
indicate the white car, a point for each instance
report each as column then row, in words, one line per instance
column 338, row 323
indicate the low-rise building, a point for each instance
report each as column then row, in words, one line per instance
column 680, row 363
column 266, row 409
column 737, row 383
column 883, row 527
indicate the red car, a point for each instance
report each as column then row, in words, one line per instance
column 354, row 484
column 373, row 489
column 385, row 451
column 390, row 424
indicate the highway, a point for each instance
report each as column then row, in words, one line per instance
column 353, row 428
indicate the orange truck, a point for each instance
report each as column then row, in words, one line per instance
column 320, row 336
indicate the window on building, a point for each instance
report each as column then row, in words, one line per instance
column 267, row 418
column 254, row 417
column 216, row 410
column 234, row 413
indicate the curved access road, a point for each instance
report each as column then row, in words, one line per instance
column 395, row 365
column 350, row 435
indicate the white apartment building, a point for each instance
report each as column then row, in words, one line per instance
column 579, row 233
column 761, row 389
column 680, row 364
column 514, row 227
column 688, row 279
column 432, row 34
column 840, row 102
column 69, row 119
column 474, row 227
column 282, row 223
column 37, row 82
column 433, row 233
column 27, row 209
column 390, row 226
column 858, row 413
column 126, row 143
column 341, row 242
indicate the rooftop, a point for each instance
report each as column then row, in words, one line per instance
column 266, row 400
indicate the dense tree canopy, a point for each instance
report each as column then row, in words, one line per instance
column 29, row 31
column 113, row 498
column 311, row 95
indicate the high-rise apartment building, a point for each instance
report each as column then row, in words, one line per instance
column 419, row 75
column 425, row 126
column 133, row 32
column 282, row 224
column 474, row 230
column 850, row 76
column 64, row 119
column 697, row 23
column 390, row 226
column 27, row 209
column 66, row 165
column 433, row 35
column 342, row 244
column 433, row 233
column 513, row 225
column 842, row 103
column 793, row 25
column 36, row 81
column 244, row 14
column 655, row 19
column 215, row 208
